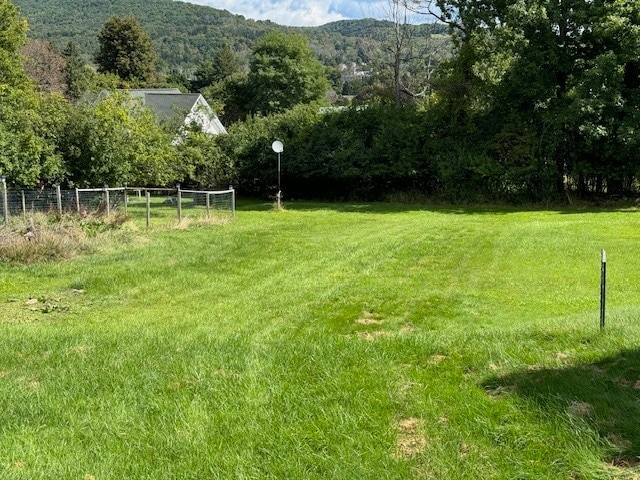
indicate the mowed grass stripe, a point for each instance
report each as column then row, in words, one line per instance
column 329, row 342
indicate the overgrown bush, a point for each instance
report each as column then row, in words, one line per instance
column 115, row 142
column 203, row 163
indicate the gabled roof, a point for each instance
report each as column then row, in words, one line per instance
column 168, row 106
column 172, row 107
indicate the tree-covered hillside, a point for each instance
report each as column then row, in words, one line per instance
column 185, row 34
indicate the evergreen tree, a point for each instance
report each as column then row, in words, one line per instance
column 75, row 72
column 226, row 63
column 209, row 73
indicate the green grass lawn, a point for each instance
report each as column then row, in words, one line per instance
column 330, row 341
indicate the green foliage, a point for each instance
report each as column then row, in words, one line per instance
column 76, row 72
column 44, row 140
column 28, row 155
column 371, row 28
column 354, row 153
column 229, row 97
column 362, row 153
column 13, row 30
column 126, row 50
column 223, row 65
column 203, row 163
column 539, row 89
column 117, row 141
column 541, row 99
column 284, row 73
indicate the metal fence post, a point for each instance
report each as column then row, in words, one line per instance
column 233, row 201
column 5, row 199
column 179, row 203
column 77, row 199
column 148, row 197
column 24, row 204
column 106, row 196
column 126, row 201
column 59, row 199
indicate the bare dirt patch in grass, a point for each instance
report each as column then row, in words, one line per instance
column 407, row 328
column 626, row 461
column 436, row 359
column 410, row 440
column 369, row 321
column 623, row 467
column 369, row 318
column 579, row 409
column 406, row 388
column 371, row 336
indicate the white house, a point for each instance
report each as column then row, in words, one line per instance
column 180, row 109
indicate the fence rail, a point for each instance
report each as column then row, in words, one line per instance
column 141, row 202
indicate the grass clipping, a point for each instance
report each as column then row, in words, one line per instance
column 50, row 238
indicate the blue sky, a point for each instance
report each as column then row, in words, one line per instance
column 300, row 12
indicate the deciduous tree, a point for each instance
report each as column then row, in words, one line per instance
column 45, row 66
column 284, row 73
column 547, row 77
column 117, row 141
column 13, row 34
column 126, row 50
column 28, row 155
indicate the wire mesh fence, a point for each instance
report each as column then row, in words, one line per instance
column 150, row 204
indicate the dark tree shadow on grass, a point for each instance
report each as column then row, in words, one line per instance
column 462, row 209
column 605, row 394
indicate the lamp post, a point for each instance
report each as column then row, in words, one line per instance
column 278, row 147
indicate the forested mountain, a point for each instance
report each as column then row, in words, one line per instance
column 185, row 34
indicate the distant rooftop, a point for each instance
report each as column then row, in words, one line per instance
column 173, row 107
column 168, row 106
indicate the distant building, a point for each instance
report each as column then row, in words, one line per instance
column 352, row 72
column 180, row 110
column 177, row 110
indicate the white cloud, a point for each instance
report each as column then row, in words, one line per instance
column 310, row 13
column 292, row 12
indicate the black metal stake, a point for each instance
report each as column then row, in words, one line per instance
column 603, row 287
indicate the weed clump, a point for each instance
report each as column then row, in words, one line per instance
column 49, row 238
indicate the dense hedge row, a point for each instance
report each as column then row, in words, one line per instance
column 373, row 153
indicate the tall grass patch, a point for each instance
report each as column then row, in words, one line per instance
column 44, row 238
